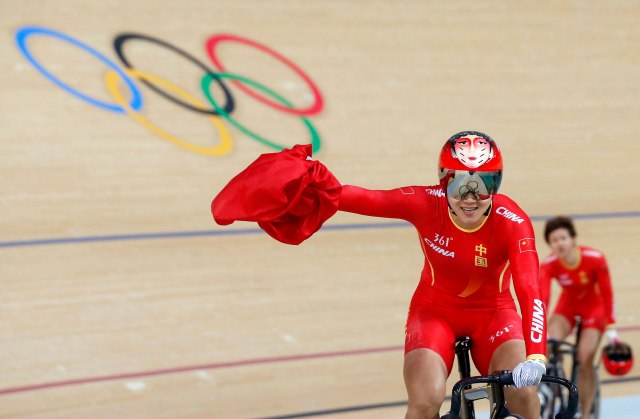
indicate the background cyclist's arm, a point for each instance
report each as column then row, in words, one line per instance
column 545, row 283
column 606, row 291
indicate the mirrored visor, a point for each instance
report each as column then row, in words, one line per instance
column 482, row 185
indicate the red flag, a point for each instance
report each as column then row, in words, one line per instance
column 287, row 193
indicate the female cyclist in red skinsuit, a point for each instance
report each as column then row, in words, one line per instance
column 474, row 241
column 586, row 292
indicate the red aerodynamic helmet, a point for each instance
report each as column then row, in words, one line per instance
column 470, row 162
column 617, row 358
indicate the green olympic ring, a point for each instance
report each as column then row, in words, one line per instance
column 206, row 82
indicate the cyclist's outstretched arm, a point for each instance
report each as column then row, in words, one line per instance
column 395, row 203
column 526, row 282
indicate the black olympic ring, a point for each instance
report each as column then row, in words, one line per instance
column 122, row 38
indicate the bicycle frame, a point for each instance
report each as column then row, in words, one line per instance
column 498, row 381
column 464, row 394
column 492, row 392
column 463, row 346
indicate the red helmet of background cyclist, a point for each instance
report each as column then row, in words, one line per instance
column 465, row 157
column 617, row 358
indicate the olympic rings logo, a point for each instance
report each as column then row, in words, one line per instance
column 179, row 96
column 471, row 187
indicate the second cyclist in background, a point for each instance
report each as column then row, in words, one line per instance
column 583, row 274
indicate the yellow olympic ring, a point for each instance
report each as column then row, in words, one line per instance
column 223, row 148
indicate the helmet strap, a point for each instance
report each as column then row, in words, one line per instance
column 486, row 213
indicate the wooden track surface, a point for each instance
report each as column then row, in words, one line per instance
column 122, row 298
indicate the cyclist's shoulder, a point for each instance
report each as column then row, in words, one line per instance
column 503, row 201
column 550, row 260
column 591, row 253
column 509, row 213
column 432, row 191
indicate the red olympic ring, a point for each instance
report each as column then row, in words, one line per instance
column 214, row 40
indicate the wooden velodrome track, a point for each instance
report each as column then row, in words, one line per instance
column 122, row 298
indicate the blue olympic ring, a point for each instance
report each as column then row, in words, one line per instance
column 21, row 39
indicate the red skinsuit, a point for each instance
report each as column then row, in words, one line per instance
column 586, row 288
column 464, row 286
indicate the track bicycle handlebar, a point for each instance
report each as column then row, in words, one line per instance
column 505, row 378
